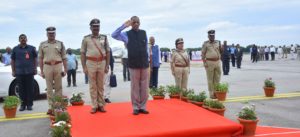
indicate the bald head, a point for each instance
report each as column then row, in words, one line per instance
column 152, row 40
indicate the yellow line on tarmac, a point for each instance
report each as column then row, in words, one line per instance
column 248, row 98
column 22, row 118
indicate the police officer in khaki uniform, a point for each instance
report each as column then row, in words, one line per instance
column 180, row 65
column 52, row 58
column 211, row 50
column 95, row 57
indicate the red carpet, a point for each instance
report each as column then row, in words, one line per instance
column 167, row 118
column 262, row 131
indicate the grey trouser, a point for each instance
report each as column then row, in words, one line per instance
column 139, row 87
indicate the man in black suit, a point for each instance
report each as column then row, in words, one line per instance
column 239, row 56
column 225, row 56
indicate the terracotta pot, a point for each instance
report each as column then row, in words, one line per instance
column 80, row 103
column 196, row 103
column 175, row 96
column 218, row 111
column 205, row 107
column 269, row 91
column 10, row 113
column 52, row 118
column 158, row 97
column 184, row 99
column 221, row 96
column 249, row 126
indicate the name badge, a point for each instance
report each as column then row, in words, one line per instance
column 26, row 55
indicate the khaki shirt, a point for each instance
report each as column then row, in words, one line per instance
column 52, row 51
column 211, row 50
column 89, row 48
column 177, row 59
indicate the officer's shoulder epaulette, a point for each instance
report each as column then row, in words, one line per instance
column 59, row 41
column 206, row 41
column 217, row 41
column 43, row 42
column 87, row 36
column 102, row 35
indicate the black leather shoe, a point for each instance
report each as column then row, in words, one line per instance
column 107, row 100
column 22, row 108
column 101, row 109
column 143, row 111
column 29, row 108
column 135, row 112
column 93, row 111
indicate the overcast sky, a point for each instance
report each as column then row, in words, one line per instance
column 263, row 22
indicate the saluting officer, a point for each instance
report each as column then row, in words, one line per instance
column 52, row 58
column 180, row 65
column 211, row 58
column 95, row 56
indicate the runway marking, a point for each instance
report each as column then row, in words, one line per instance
column 233, row 99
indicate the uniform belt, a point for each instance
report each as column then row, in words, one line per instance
column 182, row 66
column 97, row 59
column 52, row 62
column 212, row 59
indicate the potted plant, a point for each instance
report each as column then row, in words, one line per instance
column 206, row 103
column 217, row 107
column 197, row 99
column 269, row 87
column 64, row 116
column 61, row 129
column 221, row 91
column 158, row 93
column 185, row 93
column 76, row 99
column 10, row 106
column 247, row 117
column 174, row 91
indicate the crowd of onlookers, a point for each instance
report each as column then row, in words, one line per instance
column 260, row 53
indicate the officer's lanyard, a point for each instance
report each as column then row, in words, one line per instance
column 96, row 45
column 186, row 62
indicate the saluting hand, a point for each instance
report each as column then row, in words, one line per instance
column 128, row 23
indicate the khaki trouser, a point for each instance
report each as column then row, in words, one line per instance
column 96, row 82
column 213, row 74
column 53, row 81
column 181, row 77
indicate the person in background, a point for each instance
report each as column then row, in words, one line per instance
column 107, row 87
column 232, row 50
column 254, row 52
column 261, row 53
column 154, row 63
column 272, row 51
column 298, row 52
column 239, row 56
column 126, row 73
column 292, row 51
column 180, row 65
column 6, row 57
column 279, row 51
column 267, row 50
column 0, row 57
column 285, row 51
column 24, row 67
column 225, row 58
column 72, row 66
column 138, row 62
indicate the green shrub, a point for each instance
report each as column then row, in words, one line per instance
column 216, row 104
column 160, row 91
column 11, row 102
column 221, row 87
column 247, row 113
column 173, row 90
column 63, row 116
column 269, row 83
column 76, row 97
column 60, row 129
column 197, row 97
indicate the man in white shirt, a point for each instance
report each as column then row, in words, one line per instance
column 126, row 73
column 272, row 50
column 292, row 52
